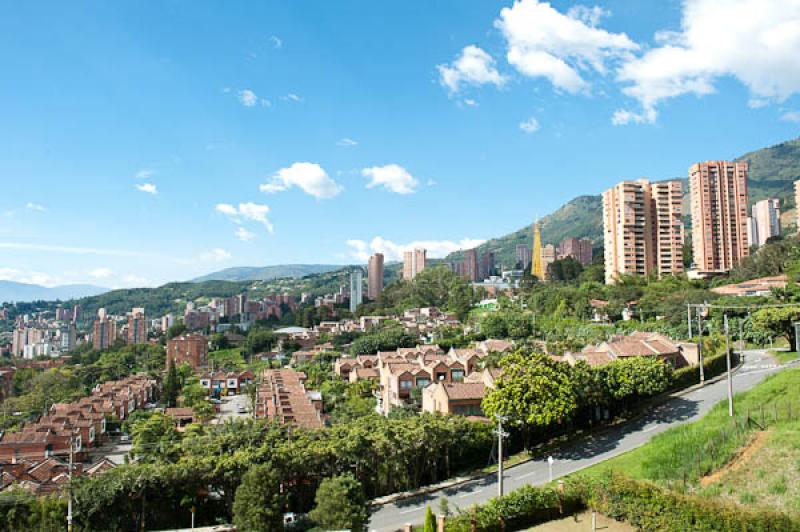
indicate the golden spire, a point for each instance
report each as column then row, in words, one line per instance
column 537, row 265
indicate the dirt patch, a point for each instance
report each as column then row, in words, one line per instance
column 741, row 458
column 582, row 522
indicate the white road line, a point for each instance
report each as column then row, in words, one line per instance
column 411, row 510
column 654, row 427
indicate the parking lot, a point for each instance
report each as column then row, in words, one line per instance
column 232, row 407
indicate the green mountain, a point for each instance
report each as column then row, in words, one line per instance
column 772, row 173
column 266, row 273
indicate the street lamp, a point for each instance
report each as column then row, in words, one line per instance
column 500, row 436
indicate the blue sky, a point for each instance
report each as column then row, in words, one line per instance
column 145, row 142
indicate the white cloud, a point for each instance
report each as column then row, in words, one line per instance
column 276, row 41
column 392, row 177
column 246, row 211
column 133, row 280
column 622, row 117
column 469, row 102
column 35, row 207
column 542, row 42
column 216, row 255
column 248, row 98
column 244, row 235
column 347, row 142
column 292, row 97
column 265, row 102
column 590, row 16
column 530, row 125
column 149, row 188
column 754, row 41
column 473, row 67
column 101, row 273
column 310, row 177
column 144, row 173
column 33, row 277
column 437, row 249
column 791, row 116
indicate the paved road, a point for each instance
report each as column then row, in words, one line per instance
column 689, row 407
column 229, row 409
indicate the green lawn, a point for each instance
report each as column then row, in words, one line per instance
column 226, row 359
column 697, row 449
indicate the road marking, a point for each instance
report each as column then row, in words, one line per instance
column 411, row 510
column 654, row 427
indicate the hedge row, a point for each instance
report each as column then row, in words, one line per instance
column 649, row 507
column 713, row 366
column 641, row 504
column 521, row 508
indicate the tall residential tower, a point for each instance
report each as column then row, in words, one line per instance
column 375, row 276
column 719, row 214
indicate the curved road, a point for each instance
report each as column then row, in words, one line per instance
column 678, row 410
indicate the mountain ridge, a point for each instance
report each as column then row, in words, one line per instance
column 267, row 273
column 26, row 292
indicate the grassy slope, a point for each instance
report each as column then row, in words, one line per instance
column 770, row 477
column 687, row 449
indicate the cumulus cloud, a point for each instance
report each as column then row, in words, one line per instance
column 437, row 249
column 530, row 125
column 248, row 98
column 35, row 207
column 392, row 177
column 473, row 67
column 562, row 48
column 276, row 41
column 148, row 188
column 791, row 116
column 310, row 177
column 347, row 142
column 291, row 97
column 101, row 273
column 754, row 41
column 254, row 212
column 31, row 277
column 216, row 255
column 244, row 235
column 590, row 16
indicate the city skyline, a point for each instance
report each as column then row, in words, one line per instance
column 147, row 144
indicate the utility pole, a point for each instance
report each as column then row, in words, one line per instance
column 500, row 436
column 689, row 318
column 700, row 345
column 69, row 484
column 728, row 359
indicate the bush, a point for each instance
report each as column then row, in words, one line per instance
column 524, row 507
column 713, row 366
column 648, row 507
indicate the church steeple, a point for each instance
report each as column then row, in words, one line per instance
column 537, row 265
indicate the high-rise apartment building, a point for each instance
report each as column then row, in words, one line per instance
column 356, row 282
column 523, row 256
column 719, row 214
column 487, row 265
column 548, row 256
column 189, row 349
column 797, row 204
column 413, row 263
column 470, row 270
column 137, row 327
column 104, row 331
column 764, row 221
column 578, row 248
column 375, row 276
column 643, row 229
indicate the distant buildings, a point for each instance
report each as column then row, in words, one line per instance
column 470, row 269
column 104, row 331
column 548, row 256
column 578, row 248
column 282, row 397
column 413, row 263
column 486, row 266
column 523, row 256
column 719, row 214
column 137, row 327
column 797, row 204
column 356, row 282
column 643, row 229
column 375, row 276
column 764, row 222
column 189, row 349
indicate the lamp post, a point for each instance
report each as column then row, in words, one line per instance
column 500, row 436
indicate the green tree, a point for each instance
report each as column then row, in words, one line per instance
column 176, row 329
column 777, row 321
column 430, row 520
column 171, row 387
column 155, row 438
column 340, row 504
column 258, row 506
column 534, row 391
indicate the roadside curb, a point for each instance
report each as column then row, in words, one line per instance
column 656, row 401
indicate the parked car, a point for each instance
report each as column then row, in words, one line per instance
column 124, row 438
column 241, row 410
